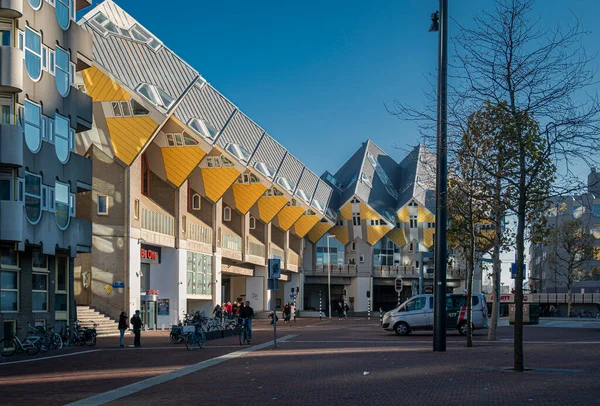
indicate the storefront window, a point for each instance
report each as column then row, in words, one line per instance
column 9, row 291
column 61, row 294
column 199, row 274
column 336, row 252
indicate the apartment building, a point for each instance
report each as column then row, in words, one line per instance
column 546, row 276
column 190, row 197
column 385, row 230
column 41, row 174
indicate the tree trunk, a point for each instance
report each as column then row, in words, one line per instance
column 497, row 267
column 471, row 265
column 569, row 287
column 519, row 365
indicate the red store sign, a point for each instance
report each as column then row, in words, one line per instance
column 150, row 255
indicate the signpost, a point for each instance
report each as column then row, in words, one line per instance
column 273, row 284
column 369, row 305
column 398, row 285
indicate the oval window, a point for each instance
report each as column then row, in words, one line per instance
column 61, row 205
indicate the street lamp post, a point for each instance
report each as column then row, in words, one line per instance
column 440, row 23
column 329, row 274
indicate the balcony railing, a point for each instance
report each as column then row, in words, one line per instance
column 335, row 270
column 231, row 241
column 198, row 231
column 293, row 258
column 256, row 249
column 277, row 252
column 156, row 219
column 411, row 272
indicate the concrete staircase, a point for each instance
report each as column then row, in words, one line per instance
column 106, row 327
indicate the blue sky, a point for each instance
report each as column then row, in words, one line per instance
column 316, row 74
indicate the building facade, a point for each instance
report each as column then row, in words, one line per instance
column 547, row 275
column 42, row 176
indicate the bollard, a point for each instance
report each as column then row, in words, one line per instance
column 162, row 327
column 320, row 307
column 369, row 309
column 380, row 316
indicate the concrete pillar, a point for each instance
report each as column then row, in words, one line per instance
column 134, row 276
column 217, row 277
column 180, row 307
column 261, row 272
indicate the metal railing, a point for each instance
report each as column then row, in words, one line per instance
column 277, row 252
column 339, row 269
column 198, row 232
column 256, row 248
column 156, row 220
column 231, row 241
column 293, row 258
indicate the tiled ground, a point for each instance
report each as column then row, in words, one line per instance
column 334, row 363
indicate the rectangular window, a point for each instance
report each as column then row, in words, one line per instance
column 33, row 54
column 413, row 222
column 116, row 106
column 6, row 109
column 6, row 184
column 136, row 209
column 9, row 291
column 126, row 109
column 145, row 176
column 102, row 205
column 21, row 190
column 252, row 223
column 39, row 261
column 6, row 28
column 9, row 256
column 361, row 258
column 33, row 197
column 39, row 296
column 45, row 58
column 71, row 73
column 51, row 200
column 61, row 284
column 44, row 197
column 20, row 39
column 51, row 64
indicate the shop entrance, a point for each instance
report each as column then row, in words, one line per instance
column 149, row 310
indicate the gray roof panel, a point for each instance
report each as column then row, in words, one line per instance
column 291, row 169
column 207, row 104
column 322, row 195
column 269, row 152
column 308, row 184
column 242, row 131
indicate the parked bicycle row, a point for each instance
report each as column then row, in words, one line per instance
column 42, row 339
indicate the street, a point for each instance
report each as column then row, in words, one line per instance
column 315, row 362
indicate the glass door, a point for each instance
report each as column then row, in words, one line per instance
column 148, row 311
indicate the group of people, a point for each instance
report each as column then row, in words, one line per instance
column 136, row 324
column 243, row 312
column 343, row 310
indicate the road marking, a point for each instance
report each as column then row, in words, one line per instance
column 50, row 357
column 318, row 324
column 115, row 394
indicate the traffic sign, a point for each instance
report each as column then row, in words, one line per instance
column 274, row 268
column 272, row 284
column 513, row 271
column 398, row 284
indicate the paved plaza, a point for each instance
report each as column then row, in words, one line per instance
column 315, row 363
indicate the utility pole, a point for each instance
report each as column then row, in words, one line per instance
column 440, row 24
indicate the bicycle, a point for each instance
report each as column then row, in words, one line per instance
column 89, row 334
column 194, row 336
column 12, row 345
column 244, row 332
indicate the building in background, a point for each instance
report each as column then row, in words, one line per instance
column 41, row 174
column 545, row 276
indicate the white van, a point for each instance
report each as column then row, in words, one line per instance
column 417, row 314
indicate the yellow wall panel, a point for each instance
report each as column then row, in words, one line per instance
column 366, row 213
column 102, row 88
column 403, row 215
column 425, row 216
column 376, row 233
column 304, row 224
column 288, row 216
column 341, row 234
column 428, row 236
column 398, row 236
column 180, row 162
column 217, row 180
column 318, row 231
column 346, row 212
column 269, row 206
column 129, row 134
column 246, row 195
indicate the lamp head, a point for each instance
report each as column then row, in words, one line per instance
column 435, row 22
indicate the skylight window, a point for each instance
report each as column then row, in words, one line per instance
column 331, row 214
column 386, row 181
column 188, row 139
column 365, row 178
column 102, row 24
column 265, row 169
column 317, row 205
column 155, row 95
column 284, row 183
column 302, row 195
column 203, row 128
column 238, row 151
column 372, row 160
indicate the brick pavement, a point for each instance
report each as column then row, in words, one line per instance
column 325, row 363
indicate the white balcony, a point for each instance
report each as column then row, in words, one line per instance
column 158, row 226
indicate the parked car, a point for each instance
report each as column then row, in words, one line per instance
column 417, row 314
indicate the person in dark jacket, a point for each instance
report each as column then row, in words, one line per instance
column 136, row 323
column 246, row 315
column 122, row 327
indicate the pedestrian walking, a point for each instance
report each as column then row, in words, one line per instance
column 239, row 309
column 246, row 315
column 286, row 312
column 293, row 311
column 136, row 323
column 340, row 310
column 346, row 310
column 122, row 327
column 229, row 309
